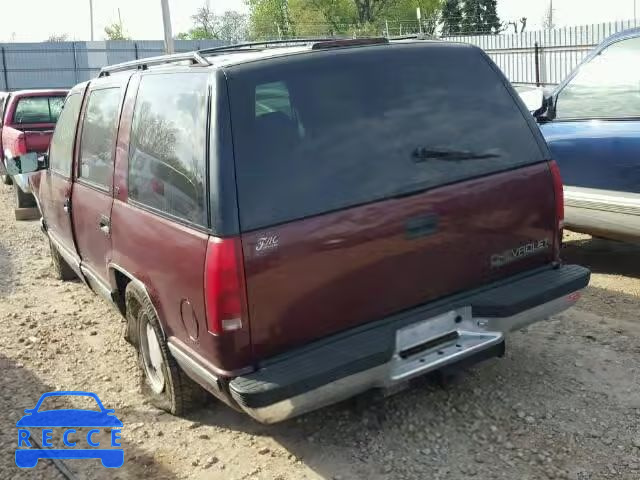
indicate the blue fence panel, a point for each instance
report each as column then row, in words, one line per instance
column 64, row 64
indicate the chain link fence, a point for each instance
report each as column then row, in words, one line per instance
column 543, row 57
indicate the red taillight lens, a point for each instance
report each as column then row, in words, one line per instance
column 21, row 145
column 223, row 285
column 558, row 192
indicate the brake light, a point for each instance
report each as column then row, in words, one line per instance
column 21, row 145
column 223, row 283
column 558, row 192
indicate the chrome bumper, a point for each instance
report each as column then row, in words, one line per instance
column 22, row 181
column 472, row 335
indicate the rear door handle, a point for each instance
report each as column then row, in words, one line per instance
column 105, row 225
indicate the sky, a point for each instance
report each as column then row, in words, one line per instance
column 36, row 20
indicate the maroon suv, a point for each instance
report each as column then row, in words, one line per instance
column 288, row 225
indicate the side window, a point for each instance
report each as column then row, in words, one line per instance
column 98, row 137
column 606, row 87
column 61, row 148
column 167, row 152
column 273, row 97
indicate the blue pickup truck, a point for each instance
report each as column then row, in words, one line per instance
column 592, row 125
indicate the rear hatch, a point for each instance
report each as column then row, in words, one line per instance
column 371, row 180
column 36, row 117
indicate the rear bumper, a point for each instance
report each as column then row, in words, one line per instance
column 465, row 328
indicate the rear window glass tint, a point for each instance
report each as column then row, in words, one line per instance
column 324, row 131
column 167, row 152
column 38, row 109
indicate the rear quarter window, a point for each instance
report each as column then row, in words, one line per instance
column 167, row 152
column 324, row 131
column 98, row 137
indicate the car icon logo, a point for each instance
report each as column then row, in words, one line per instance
column 68, row 419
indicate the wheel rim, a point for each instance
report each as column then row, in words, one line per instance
column 152, row 358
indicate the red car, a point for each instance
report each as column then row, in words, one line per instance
column 287, row 225
column 27, row 120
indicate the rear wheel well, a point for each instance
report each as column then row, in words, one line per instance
column 121, row 287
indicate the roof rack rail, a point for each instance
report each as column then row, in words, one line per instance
column 265, row 43
column 145, row 63
column 350, row 42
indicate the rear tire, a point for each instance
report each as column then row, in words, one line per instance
column 61, row 268
column 162, row 382
column 24, row 200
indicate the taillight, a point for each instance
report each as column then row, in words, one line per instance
column 223, row 285
column 21, row 145
column 558, row 192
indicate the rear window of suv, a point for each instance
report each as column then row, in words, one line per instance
column 38, row 109
column 324, row 131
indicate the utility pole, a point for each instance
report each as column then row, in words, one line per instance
column 166, row 22
column 91, row 17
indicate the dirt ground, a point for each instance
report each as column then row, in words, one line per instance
column 563, row 403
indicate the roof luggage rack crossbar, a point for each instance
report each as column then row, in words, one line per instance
column 349, row 42
column 265, row 43
column 145, row 63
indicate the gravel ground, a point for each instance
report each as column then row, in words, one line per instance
column 563, row 403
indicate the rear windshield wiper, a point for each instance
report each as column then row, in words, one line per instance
column 423, row 154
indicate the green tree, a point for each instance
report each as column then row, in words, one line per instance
column 317, row 15
column 270, row 19
column 115, row 31
column 233, row 27
column 288, row 18
column 205, row 25
column 405, row 10
column 480, row 16
column 368, row 11
column 491, row 19
column 451, row 17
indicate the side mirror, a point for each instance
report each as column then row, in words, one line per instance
column 533, row 98
column 547, row 112
column 26, row 163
